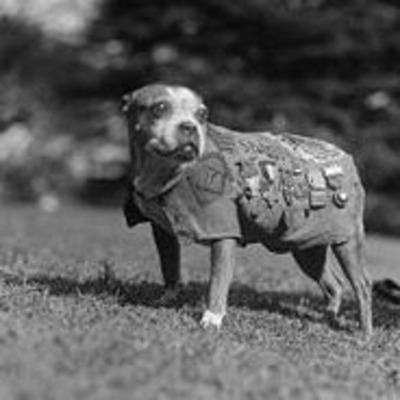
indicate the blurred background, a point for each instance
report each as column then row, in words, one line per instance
column 324, row 68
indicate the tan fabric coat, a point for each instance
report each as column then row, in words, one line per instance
column 279, row 190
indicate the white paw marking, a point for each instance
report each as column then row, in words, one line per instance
column 211, row 319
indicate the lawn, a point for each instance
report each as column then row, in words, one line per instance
column 79, row 320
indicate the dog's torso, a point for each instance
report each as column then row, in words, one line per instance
column 280, row 190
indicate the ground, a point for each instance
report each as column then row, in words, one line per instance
column 80, row 320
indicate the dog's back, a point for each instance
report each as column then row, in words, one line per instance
column 293, row 190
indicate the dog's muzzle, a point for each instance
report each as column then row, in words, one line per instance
column 187, row 143
column 186, row 152
column 188, row 139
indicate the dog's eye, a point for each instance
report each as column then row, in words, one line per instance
column 159, row 109
column 202, row 115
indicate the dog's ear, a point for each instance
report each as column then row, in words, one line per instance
column 126, row 101
column 127, row 105
column 130, row 106
column 132, row 103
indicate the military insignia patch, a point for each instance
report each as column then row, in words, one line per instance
column 247, row 168
column 300, row 188
column 268, row 171
column 316, row 180
column 250, row 177
column 287, row 185
column 318, row 189
column 334, row 176
column 252, row 187
column 208, row 178
column 318, row 198
column 310, row 149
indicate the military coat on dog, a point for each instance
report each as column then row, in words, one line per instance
column 282, row 190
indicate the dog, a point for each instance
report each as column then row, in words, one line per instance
column 195, row 180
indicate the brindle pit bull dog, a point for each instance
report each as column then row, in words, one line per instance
column 221, row 188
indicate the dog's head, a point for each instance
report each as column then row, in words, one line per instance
column 167, row 121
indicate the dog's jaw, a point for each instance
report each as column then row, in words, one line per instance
column 183, row 153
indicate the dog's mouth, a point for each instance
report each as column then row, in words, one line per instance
column 185, row 152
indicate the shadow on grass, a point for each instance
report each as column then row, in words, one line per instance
column 295, row 305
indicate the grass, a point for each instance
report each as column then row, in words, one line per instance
column 79, row 320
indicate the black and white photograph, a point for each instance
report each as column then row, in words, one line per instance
column 199, row 200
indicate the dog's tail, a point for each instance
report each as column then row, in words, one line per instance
column 388, row 290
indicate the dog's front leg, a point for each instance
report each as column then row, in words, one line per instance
column 222, row 267
column 170, row 260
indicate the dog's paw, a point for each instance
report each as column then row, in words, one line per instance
column 211, row 320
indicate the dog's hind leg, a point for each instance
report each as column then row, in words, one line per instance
column 315, row 263
column 170, row 260
column 351, row 258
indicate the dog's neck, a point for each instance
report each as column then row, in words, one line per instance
column 153, row 175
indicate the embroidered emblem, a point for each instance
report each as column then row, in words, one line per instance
column 250, row 177
column 252, row 188
column 316, row 180
column 318, row 198
column 317, row 183
column 247, row 168
column 310, row 149
column 287, row 185
column 300, row 188
column 261, row 145
column 268, row 171
column 209, row 177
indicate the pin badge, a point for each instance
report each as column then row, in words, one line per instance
column 340, row 199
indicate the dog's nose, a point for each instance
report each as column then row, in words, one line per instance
column 188, row 129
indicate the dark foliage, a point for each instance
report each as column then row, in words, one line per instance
column 319, row 67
